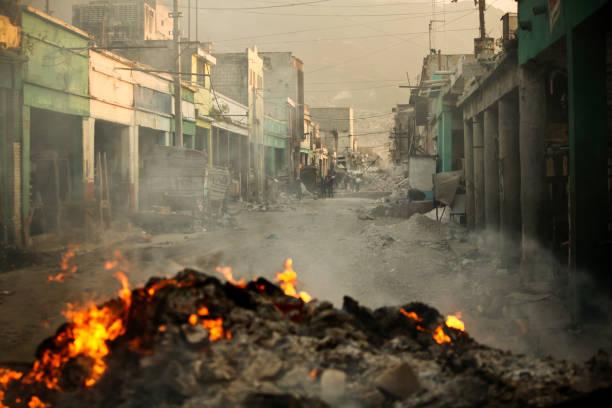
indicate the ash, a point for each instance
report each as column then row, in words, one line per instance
column 273, row 350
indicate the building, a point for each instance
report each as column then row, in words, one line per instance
column 285, row 82
column 229, row 142
column 276, row 145
column 111, row 21
column 240, row 77
column 563, row 59
column 403, row 140
column 336, row 129
column 54, row 130
column 11, row 60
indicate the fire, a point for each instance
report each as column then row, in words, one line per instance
column 35, row 402
column 226, row 271
column 67, row 265
column 6, row 377
column 287, row 281
column 455, row 322
column 411, row 315
column 440, row 337
column 213, row 325
column 89, row 331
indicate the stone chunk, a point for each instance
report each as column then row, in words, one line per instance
column 399, row 381
column 333, row 385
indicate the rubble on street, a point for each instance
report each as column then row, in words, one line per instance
column 192, row 341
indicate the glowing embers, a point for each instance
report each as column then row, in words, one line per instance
column 438, row 334
column 87, row 334
column 288, row 280
column 214, row 326
column 67, row 265
column 226, row 271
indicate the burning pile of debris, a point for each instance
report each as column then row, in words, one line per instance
column 194, row 341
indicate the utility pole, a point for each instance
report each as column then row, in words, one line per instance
column 197, row 12
column 188, row 20
column 430, row 29
column 48, row 7
column 481, row 15
column 178, row 99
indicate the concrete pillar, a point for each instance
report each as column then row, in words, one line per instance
column 468, row 148
column 26, row 162
column 89, row 158
column 510, row 177
column 532, row 127
column 491, row 170
column 445, row 139
column 134, row 167
column 479, row 181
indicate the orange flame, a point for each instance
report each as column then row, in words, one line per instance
column 440, row 337
column 214, row 326
column 455, row 322
column 288, row 280
column 35, row 402
column 226, row 271
column 67, row 265
column 411, row 315
column 88, row 333
column 6, row 377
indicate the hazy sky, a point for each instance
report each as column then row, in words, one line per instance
column 356, row 52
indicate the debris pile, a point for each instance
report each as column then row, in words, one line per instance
column 194, row 341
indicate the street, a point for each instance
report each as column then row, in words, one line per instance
column 385, row 261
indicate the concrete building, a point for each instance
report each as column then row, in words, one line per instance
column 337, row 129
column 240, row 76
column 564, row 108
column 11, row 225
column 491, row 154
column 285, row 81
column 55, row 117
column 111, row 21
column 403, row 141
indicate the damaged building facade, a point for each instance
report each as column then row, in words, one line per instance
column 528, row 130
column 89, row 136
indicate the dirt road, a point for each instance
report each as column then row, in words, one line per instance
column 380, row 262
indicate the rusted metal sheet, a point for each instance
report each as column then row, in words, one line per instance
column 173, row 177
column 219, row 180
column 152, row 100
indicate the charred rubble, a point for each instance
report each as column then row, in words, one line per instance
column 195, row 341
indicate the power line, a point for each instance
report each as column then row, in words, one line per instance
column 415, row 15
column 305, row 3
column 360, row 37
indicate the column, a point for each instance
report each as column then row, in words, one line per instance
column 134, row 167
column 445, row 139
column 589, row 166
column 532, row 127
column 89, row 159
column 479, row 181
column 468, row 149
column 510, row 177
column 491, row 170
column 25, row 173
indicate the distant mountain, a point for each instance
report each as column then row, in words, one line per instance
column 350, row 58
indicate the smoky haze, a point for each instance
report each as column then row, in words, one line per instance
column 356, row 52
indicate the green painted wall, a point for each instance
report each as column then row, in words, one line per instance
column 445, row 139
column 275, row 133
column 540, row 37
column 56, row 78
